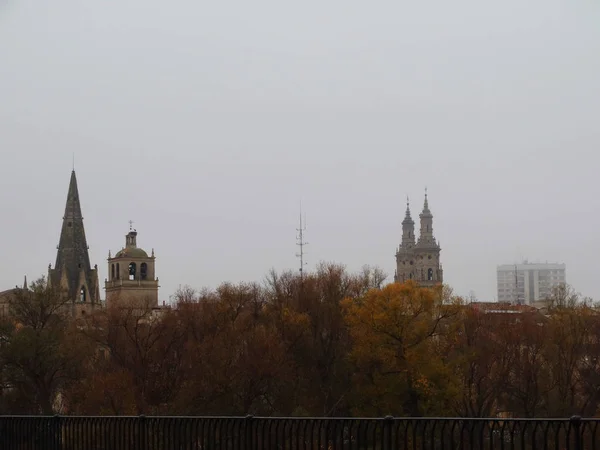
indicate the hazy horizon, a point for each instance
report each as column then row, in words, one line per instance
column 207, row 125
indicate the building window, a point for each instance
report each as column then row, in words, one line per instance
column 82, row 295
column 132, row 271
column 112, row 272
column 430, row 275
column 118, row 271
column 144, row 271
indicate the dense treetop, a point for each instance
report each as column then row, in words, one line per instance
column 330, row 343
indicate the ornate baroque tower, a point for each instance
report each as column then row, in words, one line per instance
column 419, row 261
column 72, row 270
column 131, row 277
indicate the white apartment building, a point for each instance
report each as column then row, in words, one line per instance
column 528, row 283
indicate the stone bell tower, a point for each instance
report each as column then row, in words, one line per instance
column 427, row 251
column 132, row 281
column 420, row 260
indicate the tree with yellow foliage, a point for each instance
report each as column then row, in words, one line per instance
column 399, row 347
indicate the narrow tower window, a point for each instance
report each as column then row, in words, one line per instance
column 112, row 272
column 82, row 295
column 118, row 272
column 132, row 271
column 430, row 274
column 144, row 271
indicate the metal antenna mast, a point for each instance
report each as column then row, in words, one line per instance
column 516, row 287
column 301, row 243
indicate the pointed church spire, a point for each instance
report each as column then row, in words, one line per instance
column 73, row 207
column 25, row 283
column 72, row 256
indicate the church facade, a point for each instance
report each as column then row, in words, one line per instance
column 418, row 259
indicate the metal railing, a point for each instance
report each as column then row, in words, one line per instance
column 256, row 433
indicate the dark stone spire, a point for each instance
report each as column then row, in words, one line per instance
column 73, row 207
column 73, row 269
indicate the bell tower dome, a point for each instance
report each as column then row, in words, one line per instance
column 132, row 278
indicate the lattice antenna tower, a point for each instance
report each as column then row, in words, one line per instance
column 300, row 242
column 517, row 299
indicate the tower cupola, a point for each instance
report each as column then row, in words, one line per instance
column 131, row 239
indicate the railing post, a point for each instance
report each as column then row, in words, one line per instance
column 248, row 431
column 388, row 422
column 142, row 433
column 576, row 427
column 56, row 428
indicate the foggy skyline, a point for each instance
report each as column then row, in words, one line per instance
column 207, row 125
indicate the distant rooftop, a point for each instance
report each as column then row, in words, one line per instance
column 532, row 265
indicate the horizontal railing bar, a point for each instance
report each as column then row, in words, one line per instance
column 281, row 418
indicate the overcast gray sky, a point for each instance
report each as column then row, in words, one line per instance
column 208, row 122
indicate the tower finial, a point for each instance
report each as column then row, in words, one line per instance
column 131, row 225
column 426, row 202
column 407, row 215
column 73, row 161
